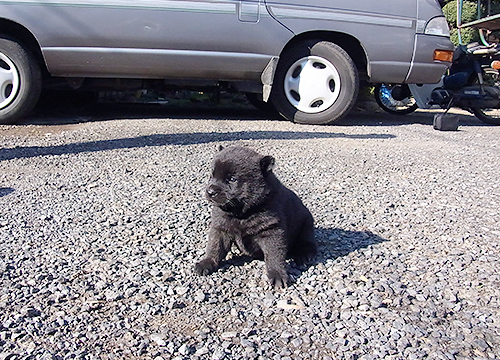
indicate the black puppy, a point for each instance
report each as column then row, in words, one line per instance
column 253, row 210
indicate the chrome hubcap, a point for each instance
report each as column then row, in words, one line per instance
column 9, row 81
column 312, row 84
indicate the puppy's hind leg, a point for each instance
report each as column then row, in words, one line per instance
column 219, row 244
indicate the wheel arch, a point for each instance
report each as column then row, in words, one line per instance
column 20, row 33
column 338, row 85
column 349, row 43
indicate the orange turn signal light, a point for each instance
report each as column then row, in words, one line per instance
column 495, row 64
column 443, row 55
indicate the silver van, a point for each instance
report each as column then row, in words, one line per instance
column 307, row 58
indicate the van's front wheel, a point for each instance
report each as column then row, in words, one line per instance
column 20, row 81
column 316, row 82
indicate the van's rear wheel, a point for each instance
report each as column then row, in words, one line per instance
column 20, row 81
column 316, row 82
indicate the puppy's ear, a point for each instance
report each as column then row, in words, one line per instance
column 267, row 164
column 220, row 148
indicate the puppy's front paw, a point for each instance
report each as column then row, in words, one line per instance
column 205, row 267
column 305, row 257
column 278, row 279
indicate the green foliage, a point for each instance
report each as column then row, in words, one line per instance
column 468, row 35
column 469, row 13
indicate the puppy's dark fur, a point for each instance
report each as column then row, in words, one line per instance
column 252, row 209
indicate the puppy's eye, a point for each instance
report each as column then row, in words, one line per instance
column 231, row 179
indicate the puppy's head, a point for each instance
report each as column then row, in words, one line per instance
column 241, row 179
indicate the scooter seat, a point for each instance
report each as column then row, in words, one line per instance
column 455, row 81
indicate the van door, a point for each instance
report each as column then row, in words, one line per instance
column 209, row 39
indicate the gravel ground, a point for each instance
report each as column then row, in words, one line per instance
column 102, row 218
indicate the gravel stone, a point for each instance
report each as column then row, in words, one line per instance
column 102, row 220
column 159, row 339
column 218, row 354
column 184, row 350
column 246, row 343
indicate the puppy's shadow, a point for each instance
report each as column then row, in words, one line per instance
column 335, row 243
column 332, row 244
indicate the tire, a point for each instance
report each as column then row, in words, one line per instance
column 20, row 81
column 489, row 116
column 384, row 98
column 316, row 82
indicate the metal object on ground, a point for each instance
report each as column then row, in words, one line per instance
column 446, row 122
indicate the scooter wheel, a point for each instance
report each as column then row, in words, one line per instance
column 385, row 99
column 488, row 116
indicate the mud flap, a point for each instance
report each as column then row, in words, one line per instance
column 267, row 78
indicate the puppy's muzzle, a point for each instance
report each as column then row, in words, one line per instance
column 213, row 191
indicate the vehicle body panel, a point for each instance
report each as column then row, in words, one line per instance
column 222, row 39
column 424, row 70
column 367, row 21
column 151, row 38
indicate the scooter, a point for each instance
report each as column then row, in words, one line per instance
column 472, row 84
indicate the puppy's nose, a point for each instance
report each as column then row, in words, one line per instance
column 212, row 191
